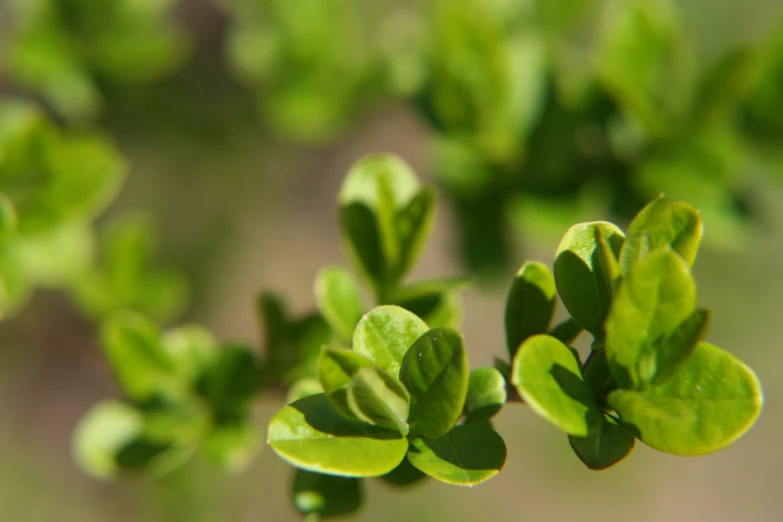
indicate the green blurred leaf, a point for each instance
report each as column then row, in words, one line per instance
column 339, row 300
column 232, row 382
column 530, row 304
column 581, row 281
column 232, row 446
column 102, row 433
column 566, row 331
column 435, row 372
column 607, row 443
column 192, row 349
column 385, row 334
column 436, row 301
column 486, row 394
column 326, row 495
column 646, row 340
column 135, row 352
column 467, row 455
column 710, row 402
column 598, row 376
column 548, row 376
column 310, row 434
column 377, row 397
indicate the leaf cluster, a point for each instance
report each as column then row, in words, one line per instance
column 183, row 394
column 649, row 375
column 66, row 50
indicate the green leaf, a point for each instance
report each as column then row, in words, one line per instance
column 233, row 381
column 309, row 335
column 414, row 223
column 339, row 300
column 599, row 377
column 581, row 281
column 385, row 334
column 404, row 475
column 530, row 304
column 108, row 427
column 662, row 224
column 467, row 455
column 607, row 443
column 486, row 394
column 709, row 403
column 548, row 376
column 134, row 349
column 435, row 372
column 191, row 349
column 232, row 446
column 372, row 192
column 376, row 397
column 566, row 331
column 325, row 495
column 643, row 343
column 336, row 369
column 310, row 434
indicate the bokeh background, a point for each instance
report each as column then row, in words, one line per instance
column 244, row 199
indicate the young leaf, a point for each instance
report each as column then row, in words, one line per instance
column 336, row 369
column 643, row 342
column 608, row 443
column 661, row 224
column 435, row 372
column 384, row 335
column 530, row 304
column 486, row 394
column 310, row 434
column 548, row 376
column 414, row 223
column 339, row 300
column 467, row 455
column 375, row 396
column 709, row 403
column 325, row 495
column 580, row 277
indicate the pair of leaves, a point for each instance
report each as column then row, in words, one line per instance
column 385, row 219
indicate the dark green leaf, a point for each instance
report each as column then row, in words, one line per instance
column 325, row 495
column 404, row 475
column 530, row 304
column 310, row 434
column 599, row 377
column 414, row 223
column 709, row 403
column 233, row 381
column 435, row 372
column 566, row 331
column 607, row 443
column 467, row 455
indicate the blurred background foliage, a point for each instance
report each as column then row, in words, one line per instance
column 174, row 157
